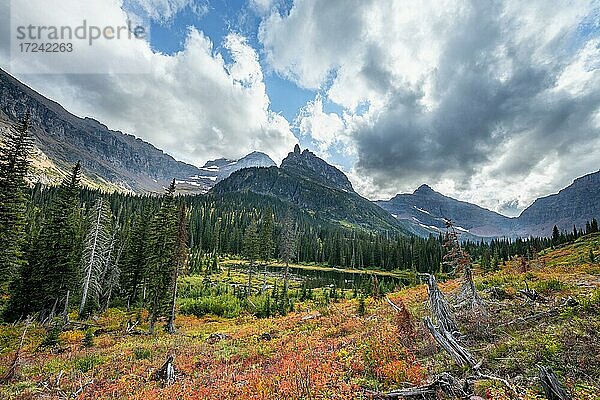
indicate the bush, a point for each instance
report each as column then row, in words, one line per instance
column 141, row 353
column 224, row 305
column 87, row 363
column 550, row 286
column 88, row 338
column 53, row 337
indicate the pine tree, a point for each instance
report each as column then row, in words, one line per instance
column 287, row 247
column 266, row 237
column 53, row 267
column 251, row 249
column 134, row 272
column 555, row 236
column 594, row 225
column 180, row 258
column 162, row 250
column 95, row 254
column 14, row 164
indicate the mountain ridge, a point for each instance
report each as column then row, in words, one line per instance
column 313, row 189
column 111, row 160
column 573, row 205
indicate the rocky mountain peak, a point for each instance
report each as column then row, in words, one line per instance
column 308, row 165
column 424, row 190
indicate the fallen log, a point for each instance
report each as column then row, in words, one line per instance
column 444, row 383
column 445, row 339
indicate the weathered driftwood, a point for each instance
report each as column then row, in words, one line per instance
column 444, row 383
column 445, row 339
column 551, row 385
column 439, row 306
column 531, row 294
column 166, row 373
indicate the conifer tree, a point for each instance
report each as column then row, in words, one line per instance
column 266, row 236
column 180, row 259
column 14, row 164
column 251, row 249
column 53, row 267
column 555, row 236
column 288, row 247
column 162, row 253
column 134, row 271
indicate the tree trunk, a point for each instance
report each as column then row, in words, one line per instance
column 171, row 323
column 88, row 275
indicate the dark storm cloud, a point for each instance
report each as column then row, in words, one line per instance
column 478, row 110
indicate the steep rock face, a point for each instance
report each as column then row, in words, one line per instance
column 312, row 167
column 308, row 189
column 573, row 205
column 122, row 159
column 427, row 209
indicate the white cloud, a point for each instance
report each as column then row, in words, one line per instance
column 193, row 104
column 164, row 10
column 471, row 97
column 325, row 129
column 262, row 7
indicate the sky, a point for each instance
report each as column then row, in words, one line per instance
column 492, row 102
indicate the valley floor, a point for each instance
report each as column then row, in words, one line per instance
column 336, row 351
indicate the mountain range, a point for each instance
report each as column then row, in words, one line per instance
column 113, row 160
column 425, row 211
column 307, row 182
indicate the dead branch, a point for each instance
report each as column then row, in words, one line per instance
column 79, row 391
column 445, row 339
column 531, row 294
column 552, row 386
column 444, row 383
column 394, row 306
column 534, row 317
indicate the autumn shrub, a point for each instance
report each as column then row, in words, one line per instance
column 224, row 305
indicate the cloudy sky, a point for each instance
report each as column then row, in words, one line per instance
column 493, row 102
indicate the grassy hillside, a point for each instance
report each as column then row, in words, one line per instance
column 334, row 349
